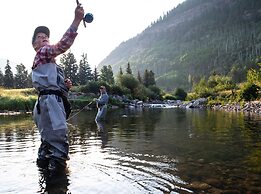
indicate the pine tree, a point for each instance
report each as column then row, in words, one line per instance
column 152, row 81
column 95, row 74
column 121, row 72
column 146, row 78
column 85, row 73
column 1, row 78
column 70, row 66
column 8, row 77
column 128, row 70
column 107, row 75
column 21, row 77
column 110, row 75
column 139, row 77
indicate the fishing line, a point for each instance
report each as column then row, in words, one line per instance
column 79, row 111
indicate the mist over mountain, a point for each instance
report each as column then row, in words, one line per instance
column 196, row 39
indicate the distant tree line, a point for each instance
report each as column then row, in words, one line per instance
column 141, row 86
column 21, row 79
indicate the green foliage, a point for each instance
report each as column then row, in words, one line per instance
column 117, row 90
column 128, row 81
column 148, row 78
column 68, row 62
column 128, row 69
column 1, row 78
column 95, row 74
column 250, row 91
column 220, row 83
column 90, row 87
column 169, row 97
column 139, row 77
column 80, row 103
column 85, row 73
column 22, row 79
column 8, row 76
column 156, row 92
column 202, row 89
column 17, row 103
column 141, row 93
column 107, row 75
column 254, row 76
column 180, row 94
column 116, row 102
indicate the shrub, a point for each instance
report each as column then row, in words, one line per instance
column 180, row 94
column 169, row 97
column 250, row 91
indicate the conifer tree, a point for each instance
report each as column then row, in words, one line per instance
column 8, row 76
column 85, row 73
column 107, row 74
column 120, row 72
column 21, row 77
column 95, row 74
column 1, row 78
column 148, row 78
column 128, row 70
column 70, row 66
column 139, row 77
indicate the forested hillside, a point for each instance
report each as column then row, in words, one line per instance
column 197, row 38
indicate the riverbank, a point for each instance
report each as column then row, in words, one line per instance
column 253, row 107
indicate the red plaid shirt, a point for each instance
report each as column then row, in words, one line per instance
column 47, row 54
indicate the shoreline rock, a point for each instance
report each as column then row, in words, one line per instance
column 253, row 107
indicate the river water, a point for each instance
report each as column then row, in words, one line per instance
column 139, row 151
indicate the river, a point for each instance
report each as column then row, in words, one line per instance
column 139, row 151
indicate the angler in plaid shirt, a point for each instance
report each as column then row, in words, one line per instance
column 52, row 107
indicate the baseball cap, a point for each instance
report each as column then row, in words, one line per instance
column 42, row 29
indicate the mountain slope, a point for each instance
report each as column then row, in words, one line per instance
column 195, row 39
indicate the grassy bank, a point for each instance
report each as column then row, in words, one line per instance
column 23, row 100
column 17, row 99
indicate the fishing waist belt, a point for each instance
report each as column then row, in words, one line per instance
column 66, row 103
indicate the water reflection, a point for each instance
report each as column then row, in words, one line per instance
column 53, row 183
column 145, row 150
column 102, row 133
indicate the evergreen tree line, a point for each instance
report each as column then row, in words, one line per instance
column 140, row 86
column 82, row 74
column 21, row 79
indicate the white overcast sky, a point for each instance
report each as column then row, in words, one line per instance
column 114, row 21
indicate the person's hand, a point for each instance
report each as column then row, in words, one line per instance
column 78, row 15
column 68, row 83
column 94, row 99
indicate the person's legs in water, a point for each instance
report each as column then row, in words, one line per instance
column 101, row 113
column 43, row 154
column 59, row 156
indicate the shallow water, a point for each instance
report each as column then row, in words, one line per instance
column 139, row 151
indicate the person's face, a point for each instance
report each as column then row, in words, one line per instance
column 102, row 90
column 41, row 40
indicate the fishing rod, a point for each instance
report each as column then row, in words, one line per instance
column 87, row 18
column 80, row 110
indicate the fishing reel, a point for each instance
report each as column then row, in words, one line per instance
column 87, row 18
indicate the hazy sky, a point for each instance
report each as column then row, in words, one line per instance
column 114, row 21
